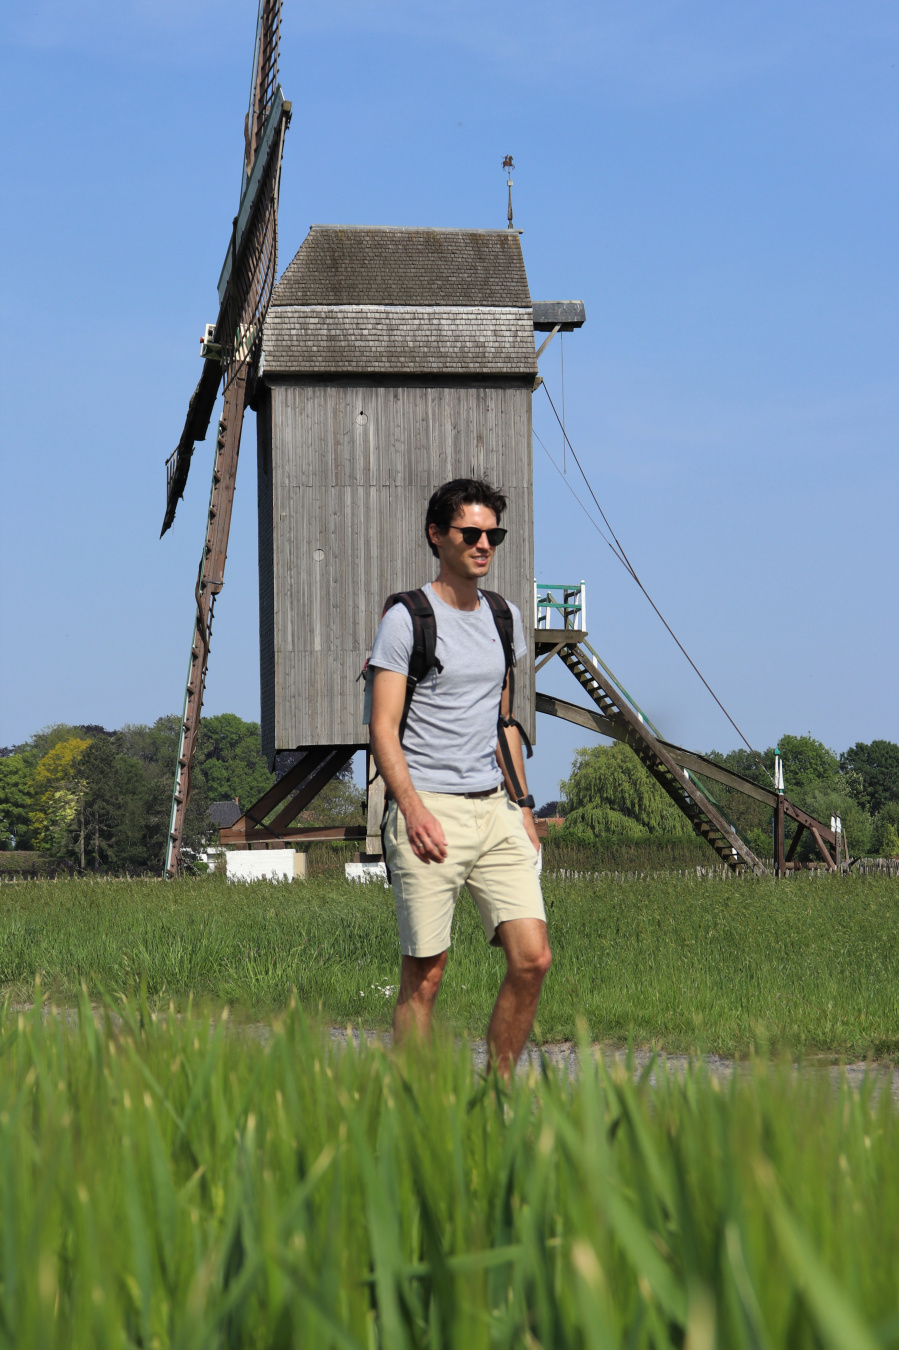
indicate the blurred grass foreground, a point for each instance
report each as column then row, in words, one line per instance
column 171, row 1181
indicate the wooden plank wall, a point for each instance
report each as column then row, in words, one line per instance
column 352, row 468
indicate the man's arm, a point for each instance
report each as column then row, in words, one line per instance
column 388, row 698
column 513, row 741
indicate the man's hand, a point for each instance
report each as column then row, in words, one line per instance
column 531, row 827
column 425, row 833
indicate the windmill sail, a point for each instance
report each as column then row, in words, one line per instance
column 248, row 273
column 265, row 77
column 245, row 287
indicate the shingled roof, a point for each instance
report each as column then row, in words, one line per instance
column 386, row 265
column 369, row 300
column 414, row 339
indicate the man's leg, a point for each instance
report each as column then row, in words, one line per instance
column 420, row 978
column 528, row 958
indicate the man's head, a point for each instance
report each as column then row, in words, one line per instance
column 455, row 512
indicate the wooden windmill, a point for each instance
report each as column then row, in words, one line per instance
column 392, row 360
column 385, row 362
column 230, row 350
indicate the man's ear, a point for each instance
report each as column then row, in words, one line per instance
column 434, row 534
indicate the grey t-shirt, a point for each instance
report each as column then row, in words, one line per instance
column 450, row 738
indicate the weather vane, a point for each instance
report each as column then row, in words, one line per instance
column 509, row 163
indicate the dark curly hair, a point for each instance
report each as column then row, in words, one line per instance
column 452, row 496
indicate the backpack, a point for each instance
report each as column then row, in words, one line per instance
column 424, row 658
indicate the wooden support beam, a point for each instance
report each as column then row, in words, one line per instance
column 803, row 818
column 547, row 655
column 582, row 717
column 687, row 759
column 306, row 779
column 279, row 791
column 545, row 343
column 307, row 833
column 823, row 849
column 335, row 761
column 794, row 844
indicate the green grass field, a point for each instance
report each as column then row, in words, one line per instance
column 168, row 1182
column 811, row 964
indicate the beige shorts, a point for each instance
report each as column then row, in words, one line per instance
column 487, row 849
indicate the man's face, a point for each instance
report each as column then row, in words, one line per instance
column 466, row 560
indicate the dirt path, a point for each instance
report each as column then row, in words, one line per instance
column 565, row 1055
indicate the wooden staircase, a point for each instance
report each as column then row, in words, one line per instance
column 679, row 784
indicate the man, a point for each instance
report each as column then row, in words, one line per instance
column 449, row 820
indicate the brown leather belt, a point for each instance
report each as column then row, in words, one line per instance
column 487, row 792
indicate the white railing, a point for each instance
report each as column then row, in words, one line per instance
column 560, row 605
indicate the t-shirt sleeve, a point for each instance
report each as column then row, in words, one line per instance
column 392, row 648
column 391, row 651
column 522, row 646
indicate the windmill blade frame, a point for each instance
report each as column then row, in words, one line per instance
column 245, row 287
column 265, row 77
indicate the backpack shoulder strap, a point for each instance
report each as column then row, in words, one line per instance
column 502, row 617
column 424, row 642
column 505, row 627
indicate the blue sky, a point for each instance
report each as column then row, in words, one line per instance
column 716, row 182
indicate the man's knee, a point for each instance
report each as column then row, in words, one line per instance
column 536, row 963
column 421, row 976
column 529, row 959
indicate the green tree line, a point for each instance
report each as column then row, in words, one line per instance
column 611, row 797
column 101, row 799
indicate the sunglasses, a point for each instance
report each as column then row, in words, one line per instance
column 471, row 534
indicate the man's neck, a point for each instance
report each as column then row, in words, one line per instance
column 455, row 591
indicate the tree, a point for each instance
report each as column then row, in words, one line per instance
column 815, row 780
column 229, row 755
column 548, row 810
column 156, row 744
column 877, row 766
column 610, row 794
column 121, row 828
column 16, row 779
column 45, row 740
column 885, row 831
column 823, row 801
column 58, row 795
column 890, row 842
column 156, row 749
column 745, row 763
column 808, row 765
